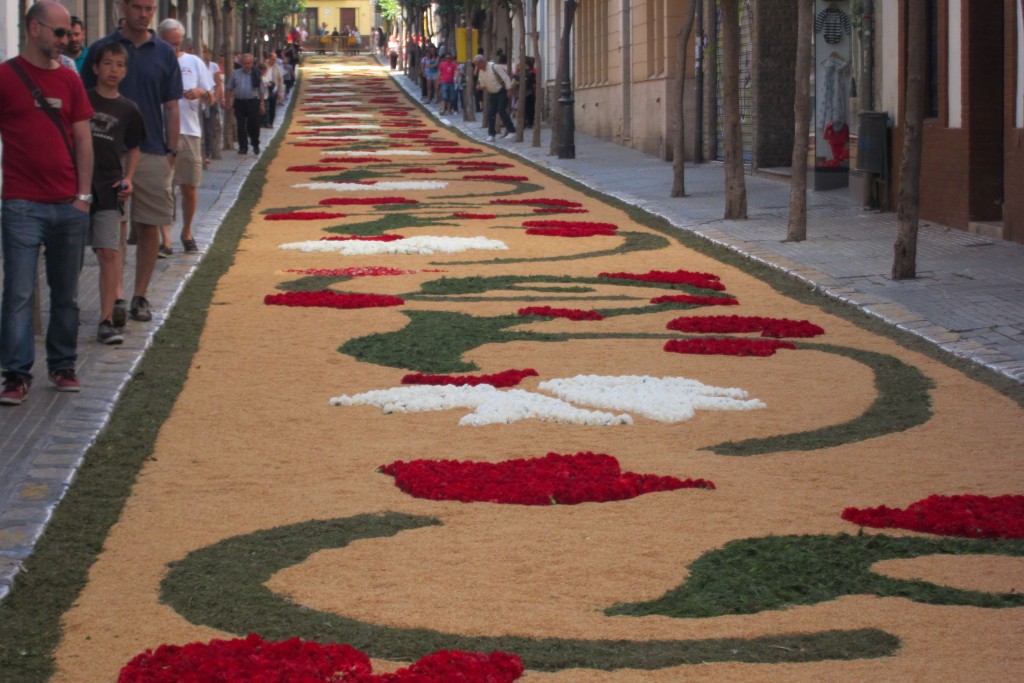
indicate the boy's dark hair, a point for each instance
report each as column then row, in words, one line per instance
column 112, row 48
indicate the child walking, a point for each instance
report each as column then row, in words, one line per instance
column 117, row 126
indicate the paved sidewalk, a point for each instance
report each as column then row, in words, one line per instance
column 968, row 297
column 43, row 441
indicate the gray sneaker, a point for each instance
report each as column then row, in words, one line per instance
column 120, row 316
column 140, row 309
column 106, row 334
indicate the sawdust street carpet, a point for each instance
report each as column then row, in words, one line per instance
column 444, row 401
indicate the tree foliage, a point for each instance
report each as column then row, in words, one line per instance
column 271, row 13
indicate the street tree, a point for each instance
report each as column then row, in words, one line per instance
column 904, row 262
column 519, row 7
column 679, row 147
column 538, row 89
column 796, row 231
column 270, row 15
column 735, row 183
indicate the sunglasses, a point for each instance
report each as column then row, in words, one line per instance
column 57, row 30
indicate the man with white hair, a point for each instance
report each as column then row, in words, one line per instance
column 197, row 89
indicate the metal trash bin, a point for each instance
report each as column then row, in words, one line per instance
column 873, row 143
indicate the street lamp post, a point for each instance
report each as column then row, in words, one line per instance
column 566, row 120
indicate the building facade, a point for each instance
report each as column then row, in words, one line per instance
column 625, row 64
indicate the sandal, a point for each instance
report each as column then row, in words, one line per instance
column 190, row 246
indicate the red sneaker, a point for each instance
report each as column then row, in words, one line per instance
column 15, row 391
column 65, row 380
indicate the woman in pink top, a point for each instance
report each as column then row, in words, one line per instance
column 447, row 69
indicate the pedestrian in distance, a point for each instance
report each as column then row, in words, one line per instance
column 246, row 96
column 47, row 180
column 116, row 126
column 153, row 82
column 76, row 49
column 275, row 89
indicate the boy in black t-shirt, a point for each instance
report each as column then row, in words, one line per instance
column 117, row 126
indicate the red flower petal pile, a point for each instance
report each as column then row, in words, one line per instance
column 551, row 480
column 327, row 298
column 540, row 201
column 497, row 178
column 570, row 232
column 372, row 201
column 768, row 327
column 315, row 169
column 254, row 660
column 418, row 170
column 354, row 271
column 356, row 160
column 245, row 661
column 558, row 210
column 363, row 238
column 968, row 515
column 570, row 313
column 691, row 299
column 676, row 277
column 466, row 214
column 714, row 346
column 570, row 224
column 302, row 216
column 502, row 380
column 470, row 164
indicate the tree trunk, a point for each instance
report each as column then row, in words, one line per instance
column 904, row 263
column 735, row 184
column 469, row 85
column 797, row 228
column 679, row 145
column 538, row 82
column 228, row 24
column 711, row 77
column 520, row 10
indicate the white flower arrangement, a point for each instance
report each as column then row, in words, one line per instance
column 423, row 244
column 490, row 405
column 381, row 185
column 665, row 399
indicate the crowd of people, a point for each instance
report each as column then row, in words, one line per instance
column 96, row 139
column 445, row 83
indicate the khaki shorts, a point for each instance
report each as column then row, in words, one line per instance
column 153, row 196
column 188, row 168
column 105, row 230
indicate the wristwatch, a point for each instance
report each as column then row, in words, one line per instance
column 87, row 198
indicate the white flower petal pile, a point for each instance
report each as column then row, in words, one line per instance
column 666, row 399
column 424, row 244
column 382, row 185
column 490, row 405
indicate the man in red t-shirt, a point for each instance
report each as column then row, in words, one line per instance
column 47, row 176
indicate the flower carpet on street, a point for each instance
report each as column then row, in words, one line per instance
column 452, row 417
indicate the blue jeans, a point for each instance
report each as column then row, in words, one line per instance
column 62, row 229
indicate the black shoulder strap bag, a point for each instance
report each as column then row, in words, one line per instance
column 43, row 104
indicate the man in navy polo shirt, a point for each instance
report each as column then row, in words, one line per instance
column 154, row 84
